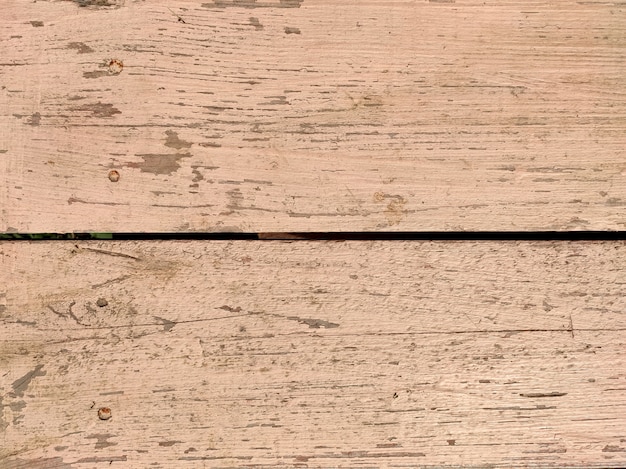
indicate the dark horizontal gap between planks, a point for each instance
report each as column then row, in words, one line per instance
column 335, row 236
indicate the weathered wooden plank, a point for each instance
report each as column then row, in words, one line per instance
column 313, row 354
column 302, row 115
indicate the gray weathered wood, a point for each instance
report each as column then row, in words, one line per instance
column 312, row 354
column 303, row 115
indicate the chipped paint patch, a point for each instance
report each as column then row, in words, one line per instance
column 173, row 141
column 21, row 385
column 167, row 324
column 102, row 440
column 99, row 3
column 34, row 119
column 80, row 47
column 253, row 4
column 169, row 443
column 3, row 423
column 256, row 23
column 113, row 67
column 314, row 323
column 98, row 459
column 157, row 163
column 97, row 74
column 38, row 463
column 99, row 109
column 16, row 408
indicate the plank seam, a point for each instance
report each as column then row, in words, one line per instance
column 331, row 236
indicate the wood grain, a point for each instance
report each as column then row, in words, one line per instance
column 302, row 115
column 313, row 354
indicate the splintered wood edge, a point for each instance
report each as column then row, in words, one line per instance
column 312, row 116
column 316, row 354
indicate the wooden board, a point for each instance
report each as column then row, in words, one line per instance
column 303, row 115
column 312, row 354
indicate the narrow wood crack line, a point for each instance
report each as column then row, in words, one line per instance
column 72, row 315
column 112, row 253
column 148, row 324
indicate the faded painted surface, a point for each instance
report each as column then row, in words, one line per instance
column 430, row 115
column 324, row 354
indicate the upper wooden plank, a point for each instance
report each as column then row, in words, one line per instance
column 301, row 115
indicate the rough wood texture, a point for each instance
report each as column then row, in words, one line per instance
column 302, row 115
column 312, row 354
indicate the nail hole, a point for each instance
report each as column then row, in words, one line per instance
column 114, row 176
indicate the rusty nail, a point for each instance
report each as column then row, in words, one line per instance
column 104, row 413
column 114, row 176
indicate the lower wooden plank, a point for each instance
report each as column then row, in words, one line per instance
column 312, row 354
